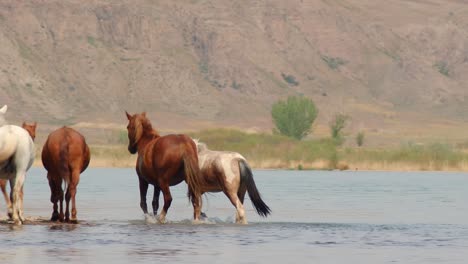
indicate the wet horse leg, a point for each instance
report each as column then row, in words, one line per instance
column 155, row 202
column 72, row 189
column 67, row 204
column 167, row 202
column 240, row 214
column 7, row 198
column 143, row 192
column 22, row 203
column 54, row 185
column 16, row 186
column 60, row 199
column 197, row 205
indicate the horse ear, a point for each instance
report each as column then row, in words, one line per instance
column 128, row 115
column 4, row 109
column 24, row 123
column 143, row 114
column 35, row 124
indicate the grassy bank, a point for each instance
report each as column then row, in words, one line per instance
column 269, row 151
column 275, row 151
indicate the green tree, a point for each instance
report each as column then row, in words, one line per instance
column 360, row 139
column 336, row 127
column 294, row 117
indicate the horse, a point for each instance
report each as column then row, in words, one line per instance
column 3, row 182
column 16, row 157
column 65, row 156
column 163, row 161
column 230, row 173
column 31, row 129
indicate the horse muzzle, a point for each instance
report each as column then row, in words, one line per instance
column 132, row 149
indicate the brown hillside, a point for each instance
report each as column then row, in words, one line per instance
column 396, row 67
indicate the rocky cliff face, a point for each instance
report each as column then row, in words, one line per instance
column 192, row 63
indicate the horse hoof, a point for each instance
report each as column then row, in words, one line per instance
column 161, row 220
column 203, row 215
column 17, row 222
column 73, row 221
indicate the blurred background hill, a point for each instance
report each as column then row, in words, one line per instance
column 398, row 68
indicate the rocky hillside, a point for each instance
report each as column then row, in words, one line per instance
column 394, row 66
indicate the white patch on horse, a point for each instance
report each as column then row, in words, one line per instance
column 229, row 173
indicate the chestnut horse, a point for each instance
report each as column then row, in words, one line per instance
column 230, row 173
column 65, row 155
column 163, row 161
column 3, row 182
column 31, row 129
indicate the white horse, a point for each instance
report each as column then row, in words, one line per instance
column 230, row 173
column 16, row 157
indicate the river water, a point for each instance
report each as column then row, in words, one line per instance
column 318, row 217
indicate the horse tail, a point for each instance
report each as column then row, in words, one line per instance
column 247, row 179
column 64, row 168
column 192, row 176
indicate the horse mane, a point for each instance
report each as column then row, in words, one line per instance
column 200, row 145
column 148, row 128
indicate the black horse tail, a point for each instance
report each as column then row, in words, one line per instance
column 247, row 179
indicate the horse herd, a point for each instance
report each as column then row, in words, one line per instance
column 162, row 161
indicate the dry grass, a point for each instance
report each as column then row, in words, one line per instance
column 267, row 151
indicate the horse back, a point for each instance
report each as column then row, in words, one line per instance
column 65, row 146
column 219, row 168
column 8, row 143
column 168, row 151
column 14, row 140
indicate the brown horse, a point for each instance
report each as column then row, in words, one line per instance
column 163, row 161
column 3, row 182
column 31, row 129
column 65, row 155
column 230, row 173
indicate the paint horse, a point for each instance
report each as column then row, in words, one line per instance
column 65, row 156
column 163, row 161
column 230, row 173
column 3, row 182
column 16, row 157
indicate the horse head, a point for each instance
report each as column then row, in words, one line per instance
column 31, row 129
column 138, row 126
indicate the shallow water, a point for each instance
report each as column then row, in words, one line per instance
column 318, row 217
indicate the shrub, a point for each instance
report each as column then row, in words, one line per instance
column 294, row 117
column 336, row 127
column 360, row 139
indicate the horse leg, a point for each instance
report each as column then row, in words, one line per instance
column 167, row 203
column 7, row 199
column 60, row 199
column 67, row 204
column 197, row 205
column 240, row 214
column 72, row 188
column 54, row 196
column 16, row 186
column 155, row 202
column 143, row 192
column 202, row 214
column 241, row 194
column 22, row 203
